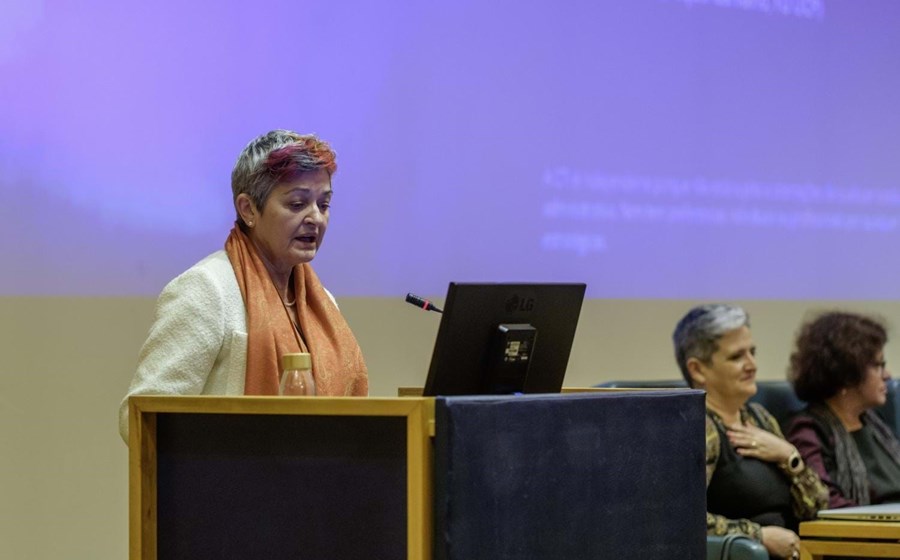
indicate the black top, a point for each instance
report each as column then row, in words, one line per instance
column 745, row 487
column 883, row 472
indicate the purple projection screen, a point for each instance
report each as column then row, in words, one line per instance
column 650, row 148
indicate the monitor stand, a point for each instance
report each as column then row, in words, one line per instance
column 511, row 357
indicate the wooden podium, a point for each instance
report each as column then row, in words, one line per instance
column 290, row 472
column 593, row 475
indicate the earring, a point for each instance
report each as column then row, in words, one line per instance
column 249, row 224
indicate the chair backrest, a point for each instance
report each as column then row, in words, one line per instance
column 779, row 399
column 644, row 384
column 734, row 547
column 776, row 396
column 890, row 412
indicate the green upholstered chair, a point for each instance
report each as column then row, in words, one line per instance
column 735, row 547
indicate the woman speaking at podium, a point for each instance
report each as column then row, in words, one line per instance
column 222, row 326
column 756, row 482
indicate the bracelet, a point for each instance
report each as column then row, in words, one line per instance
column 793, row 465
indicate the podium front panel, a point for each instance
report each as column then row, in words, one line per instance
column 267, row 486
column 282, row 486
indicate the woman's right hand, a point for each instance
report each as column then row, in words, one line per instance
column 781, row 542
column 751, row 441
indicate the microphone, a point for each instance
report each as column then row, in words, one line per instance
column 421, row 302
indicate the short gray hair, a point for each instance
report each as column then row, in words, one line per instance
column 257, row 171
column 697, row 333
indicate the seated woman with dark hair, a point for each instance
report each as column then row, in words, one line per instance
column 756, row 483
column 838, row 367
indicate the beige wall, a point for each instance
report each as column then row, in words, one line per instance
column 65, row 363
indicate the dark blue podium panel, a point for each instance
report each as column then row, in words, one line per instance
column 575, row 476
column 281, row 487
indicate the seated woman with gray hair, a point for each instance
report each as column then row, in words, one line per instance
column 756, row 482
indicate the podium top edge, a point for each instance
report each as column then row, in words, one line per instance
column 340, row 406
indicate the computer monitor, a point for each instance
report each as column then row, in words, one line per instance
column 504, row 339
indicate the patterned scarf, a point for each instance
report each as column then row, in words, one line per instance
column 852, row 477
column 337, row 362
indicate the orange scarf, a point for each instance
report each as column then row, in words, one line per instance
column 337, row 362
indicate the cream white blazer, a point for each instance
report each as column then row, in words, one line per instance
column 198, row 342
